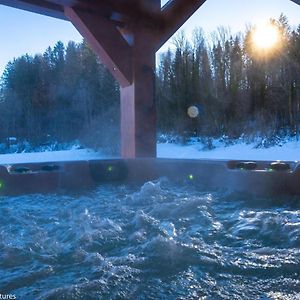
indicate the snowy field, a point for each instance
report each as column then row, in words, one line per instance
column 289, row 150
column 64, row 155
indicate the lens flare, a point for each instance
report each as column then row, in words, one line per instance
column 191, row 177
column 265, row 36
column 193, row 111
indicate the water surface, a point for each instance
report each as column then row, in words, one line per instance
column 157, row 241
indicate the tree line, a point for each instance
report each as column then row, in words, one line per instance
column 67, row 93
column 238, row 89
column 62, row 95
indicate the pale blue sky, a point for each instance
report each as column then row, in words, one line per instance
column 23, row 32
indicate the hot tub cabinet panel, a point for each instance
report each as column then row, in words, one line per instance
column 255, row 177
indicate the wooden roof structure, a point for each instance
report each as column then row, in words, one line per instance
column 55, row 8
column 107, row 8
column 125, row 34
column 117, row 16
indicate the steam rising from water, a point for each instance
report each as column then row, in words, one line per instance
column 158, row 241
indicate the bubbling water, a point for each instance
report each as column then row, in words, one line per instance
column 157, row 241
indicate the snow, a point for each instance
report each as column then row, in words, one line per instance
column 64, row 155
column 289, row 150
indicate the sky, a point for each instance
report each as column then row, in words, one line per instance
column 24, row 32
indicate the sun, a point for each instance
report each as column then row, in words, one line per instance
column 265, row 36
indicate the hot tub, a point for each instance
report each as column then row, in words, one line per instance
column 256, row 177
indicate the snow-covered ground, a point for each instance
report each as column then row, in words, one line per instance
column 64, row 155
column 289, row 150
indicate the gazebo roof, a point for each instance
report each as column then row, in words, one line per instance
column 55, row 8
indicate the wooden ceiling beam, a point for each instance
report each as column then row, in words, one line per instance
column 174, row 14
column 134, row 10
column 64, row 2
column 37, row 6
column 107, row 42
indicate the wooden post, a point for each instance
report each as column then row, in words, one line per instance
column 138, row 110
column 132, row 60
column 133, row 65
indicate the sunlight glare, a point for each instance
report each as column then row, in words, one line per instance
column 265, row 36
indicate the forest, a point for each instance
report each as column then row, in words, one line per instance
column 66, row 94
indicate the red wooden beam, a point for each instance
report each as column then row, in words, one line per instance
column 174, row 14
column 138, row 109
column 143, row 12
column 38, row 6
column 132, row 63
column 107, row 42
